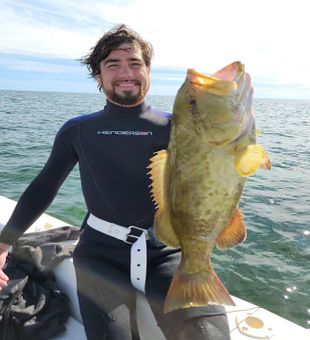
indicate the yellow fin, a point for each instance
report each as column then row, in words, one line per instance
column 248, row 160
column 163, row 229
column 234, row 232
column 196, row 289
column 159, row 176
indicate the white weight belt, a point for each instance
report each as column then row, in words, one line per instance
column 138, row 252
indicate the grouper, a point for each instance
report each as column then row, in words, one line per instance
column 198, row 181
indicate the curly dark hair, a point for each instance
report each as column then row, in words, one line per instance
column 109, row 42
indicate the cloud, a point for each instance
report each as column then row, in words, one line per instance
column 269, row 36
column 60, row 30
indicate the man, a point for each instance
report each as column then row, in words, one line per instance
column 113, row 148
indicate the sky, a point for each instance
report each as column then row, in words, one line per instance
column 41, row 41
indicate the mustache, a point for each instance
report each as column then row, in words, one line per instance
column 135, row 81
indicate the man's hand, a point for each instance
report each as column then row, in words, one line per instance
column 4, row 249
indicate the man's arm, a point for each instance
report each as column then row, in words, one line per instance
column 39, row 194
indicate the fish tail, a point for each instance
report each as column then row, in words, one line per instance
column 196, row 290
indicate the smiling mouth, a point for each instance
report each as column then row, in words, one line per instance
column 128, row 84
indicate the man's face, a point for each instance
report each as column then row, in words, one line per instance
column 124, row 77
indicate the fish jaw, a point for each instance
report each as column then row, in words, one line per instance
column 222, row 82
column 214, row 85
column 231, row 72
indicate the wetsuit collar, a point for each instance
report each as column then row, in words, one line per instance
column 114, row 109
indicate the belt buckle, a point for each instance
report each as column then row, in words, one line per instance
column 134, row 237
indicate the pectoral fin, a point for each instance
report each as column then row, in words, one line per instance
column 234, row 233
column 159, row 176
column 249, row 159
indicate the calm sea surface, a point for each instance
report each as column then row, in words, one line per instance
column 271, row 268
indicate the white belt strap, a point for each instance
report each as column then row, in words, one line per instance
column 108, row 228
column 138, row 263
column 138, row 252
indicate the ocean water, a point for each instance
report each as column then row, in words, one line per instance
column 271, row 268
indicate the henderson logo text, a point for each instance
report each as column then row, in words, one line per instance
column 125, row 133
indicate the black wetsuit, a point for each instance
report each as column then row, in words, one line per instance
column 113, row 148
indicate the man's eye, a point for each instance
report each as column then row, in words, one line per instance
column 137, row 64
column 112, row 65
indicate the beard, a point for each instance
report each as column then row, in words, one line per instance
column 127, row 98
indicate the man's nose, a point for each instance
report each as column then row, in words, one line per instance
column 126, row 71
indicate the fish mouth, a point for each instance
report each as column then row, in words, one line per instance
column 221, row 82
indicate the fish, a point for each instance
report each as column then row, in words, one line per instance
column 197, row 182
